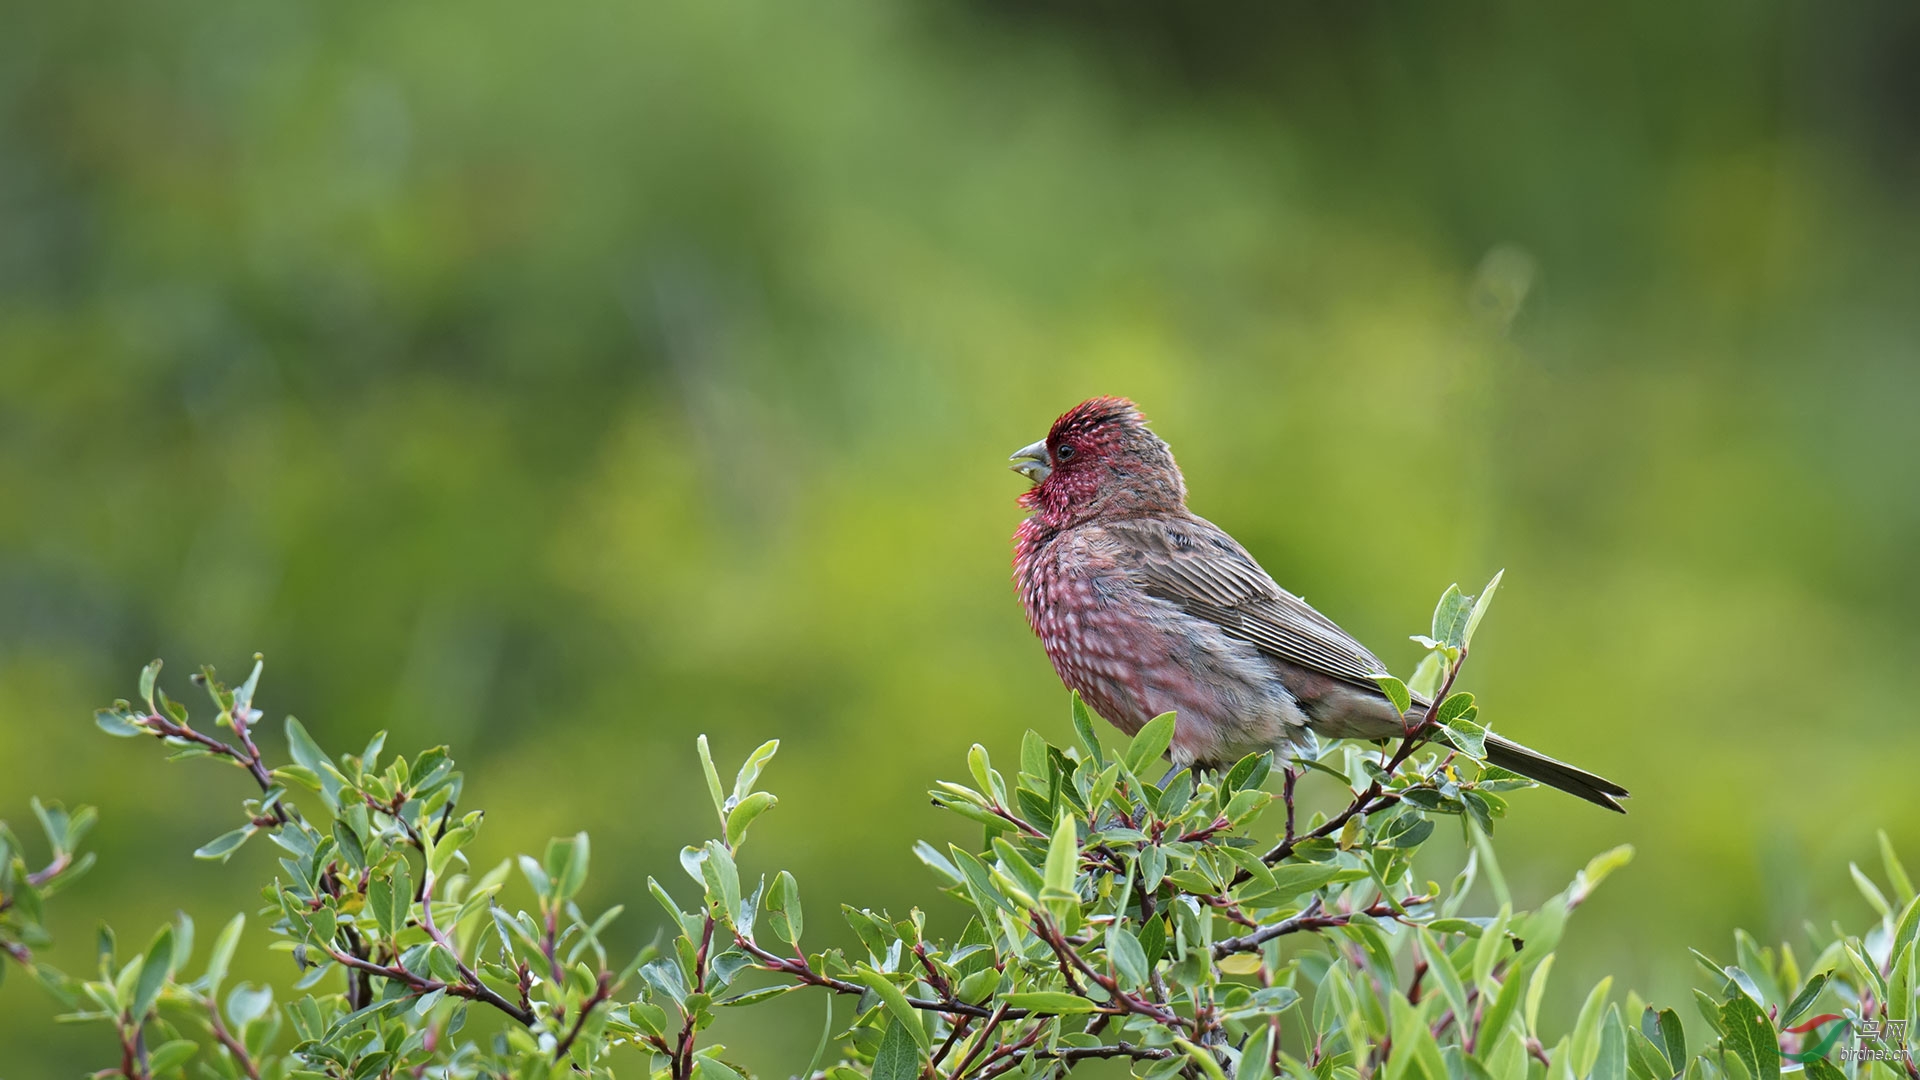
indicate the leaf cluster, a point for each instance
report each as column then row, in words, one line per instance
column 1201, row 926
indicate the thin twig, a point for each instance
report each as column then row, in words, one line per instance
column 476, row 991
column 234, row 1046
column 1313, row 918
column 1124, row 1001
column 980, row 1041
column 807, row 976
column 683, row 1055
column 164, row 728
column 602, row 990
column 1371, row 798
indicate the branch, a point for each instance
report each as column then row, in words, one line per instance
column 1126, row 1050
column 809, row 977
column 980, row 1041
column 1008, row 1057
column 1371, row 798
column 683, row 1055
column 1310, row 919
column 467, row 975
column 1128, row 1003
column 40, row 877
column 234, row 1046
column 601, row 992
column 474, row 991
column 164, row 728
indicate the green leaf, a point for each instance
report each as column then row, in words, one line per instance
column 745, row 812
column 1750, row 1034
column 754, row 997
column 896, row 1003
column 713, row 780
column 1602, row 866
column 1415, row 1052
column 222, row 954
column 298, row 774
column 1453, row 708
column 1900, row 982
column 1480, row 606
column 1083, row 727
column 149, row 675
column 978, row 986
column 1033, row 756
column 783, row 908
column 1150, row 744
column 566, row 865
column 1441, row 968
column 1129, row 959
column 1428, row 675
column 1470, row 739
column 1396, row 692
column 1709, row 1010
column 1292, row 879
column 1586, row 1029
column 1450, row 617
column 1644, row 1059
column 1804, row 999
column 116, row 723
column 1264, row 1002
column 722, row 879
column 349, row 844
column 1668, row 1034
column 171, row 1055
column 1063, row 858
column 223, row 846
column 1496, row 1018
column 153, row 974
column 1872, row 893
column 1049, row 1001
column 1907, row 930
column 981, row 765
column 1153, row 939
column 826, row 1036
column 1896, row 873
column 1536, row 988
column 1822, row 1069
column 750, row 770
column 1611, row 1063
column 1254, row 1060
column 303, row 748
column 53, row 822
column 380, row 903
column 1492, row 946
column 1506, row 1059
column 402, row 899
column 898, row 1057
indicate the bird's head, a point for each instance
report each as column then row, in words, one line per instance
column 1098, row 460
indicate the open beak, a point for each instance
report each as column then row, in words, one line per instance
column 1032, row 462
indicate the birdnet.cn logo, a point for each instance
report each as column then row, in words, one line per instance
column 1876, row 1040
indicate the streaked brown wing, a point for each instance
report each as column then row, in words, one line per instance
column 1195, row 565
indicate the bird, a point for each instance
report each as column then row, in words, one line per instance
column 1144, row 608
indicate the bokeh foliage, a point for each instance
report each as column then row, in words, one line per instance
column 598, row 375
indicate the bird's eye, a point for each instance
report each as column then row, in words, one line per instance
column 1065, row 453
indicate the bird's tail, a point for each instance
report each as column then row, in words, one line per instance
column 1533, row 765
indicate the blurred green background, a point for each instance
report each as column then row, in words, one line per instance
column 561, row 381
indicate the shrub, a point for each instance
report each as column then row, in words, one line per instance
column 1106, row 916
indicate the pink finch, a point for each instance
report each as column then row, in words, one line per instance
column 1144, row 608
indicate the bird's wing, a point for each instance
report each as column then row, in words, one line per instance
column 1193, row 564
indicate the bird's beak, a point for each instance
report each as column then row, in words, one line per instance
column 1032, row 462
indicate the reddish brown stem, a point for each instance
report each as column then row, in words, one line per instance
column 234, row 1046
